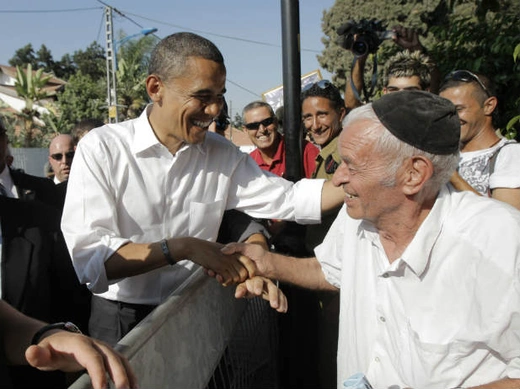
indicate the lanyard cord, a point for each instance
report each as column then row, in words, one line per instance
column 367, row 94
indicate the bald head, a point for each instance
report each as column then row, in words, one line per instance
column 61, row 152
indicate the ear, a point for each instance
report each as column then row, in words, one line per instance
column 418, row 170
column 154, row 87
column 342, row 113
column 490, row 105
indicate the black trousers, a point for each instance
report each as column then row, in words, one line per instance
column 111, row 320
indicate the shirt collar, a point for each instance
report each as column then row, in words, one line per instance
column 418, row 252
column 145, row 137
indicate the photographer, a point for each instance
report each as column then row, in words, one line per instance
column 406, row 70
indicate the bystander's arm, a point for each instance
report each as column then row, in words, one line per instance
column 507, row 195
column 61, row 350
column 351, row 100
column 332, row 197
column 461, row 184
column 506, row 383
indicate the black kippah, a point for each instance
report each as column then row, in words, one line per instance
column 421, row 119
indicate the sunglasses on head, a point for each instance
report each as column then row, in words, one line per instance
column 466, row 76
column 256, row 125
column 322, row 84
column 59, row 156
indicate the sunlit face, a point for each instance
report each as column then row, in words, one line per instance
column 471, row 113
column 61, row 153
column 362, row 173
column 185, row 107
column 321, row 119
column 264, row 137
column 396, row 84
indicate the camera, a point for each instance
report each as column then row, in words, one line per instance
column 363, row 37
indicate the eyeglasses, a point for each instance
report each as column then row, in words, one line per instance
column 466, row 76
column 59, row 156
column 256, row 125
column 322, row 84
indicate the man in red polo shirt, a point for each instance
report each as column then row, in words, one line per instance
column 261, row 125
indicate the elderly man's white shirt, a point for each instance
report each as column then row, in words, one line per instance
column 447, row 313
column 125, row 186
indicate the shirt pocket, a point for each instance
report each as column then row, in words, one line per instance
column 205, row 219
column 422, row 363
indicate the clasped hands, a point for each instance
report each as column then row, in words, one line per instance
column 247, row 266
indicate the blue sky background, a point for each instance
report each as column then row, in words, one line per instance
column 247, row 32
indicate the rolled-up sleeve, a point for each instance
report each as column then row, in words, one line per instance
column 88, row 222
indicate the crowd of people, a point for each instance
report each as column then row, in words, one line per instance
column 397, row 252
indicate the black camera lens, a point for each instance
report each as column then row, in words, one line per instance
column 359, row 48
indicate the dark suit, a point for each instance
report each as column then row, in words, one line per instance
column 37, row 276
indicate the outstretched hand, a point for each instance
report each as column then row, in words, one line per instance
column 262, row 286
column 407, row 38
column 70, row 352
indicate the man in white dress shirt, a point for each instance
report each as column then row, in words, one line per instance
column 429, row 277
column 151, row 192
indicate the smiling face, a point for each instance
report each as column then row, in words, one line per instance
column 363, row 174
column 472, row 114
column 184, row 107
column 265, row 137
column 321, row 119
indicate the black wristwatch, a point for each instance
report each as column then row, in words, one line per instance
column 67, row 326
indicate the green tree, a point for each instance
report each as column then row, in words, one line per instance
column 24, row 56
column 29, row 86
column 91, row 61
column 132, row 68
column 474, row 34
column 83, row 97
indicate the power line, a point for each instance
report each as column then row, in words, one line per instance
column 48, row 10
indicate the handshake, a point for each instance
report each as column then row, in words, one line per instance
column 249, row 266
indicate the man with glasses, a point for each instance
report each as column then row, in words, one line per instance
column 261, row 125
column 61, row 153
column 489, row 163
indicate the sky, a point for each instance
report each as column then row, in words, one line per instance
column 247, row 32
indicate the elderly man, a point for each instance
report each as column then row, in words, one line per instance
column 61, row 152
column 428, row 275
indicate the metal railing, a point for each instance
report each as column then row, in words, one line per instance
column 202, row 337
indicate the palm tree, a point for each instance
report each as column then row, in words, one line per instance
column 29, row 86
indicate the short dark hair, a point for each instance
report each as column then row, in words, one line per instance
column 84, row 126
column 330, row 92
column 169, row 57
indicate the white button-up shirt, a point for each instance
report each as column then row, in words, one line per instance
column 125, row 186
column 447, row 313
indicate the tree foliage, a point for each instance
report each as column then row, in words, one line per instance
column 29, row 86
column 478, row 35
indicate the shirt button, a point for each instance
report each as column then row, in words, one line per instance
column 376, row 359
column 382, row 318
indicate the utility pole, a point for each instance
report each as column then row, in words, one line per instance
column 111, row 68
